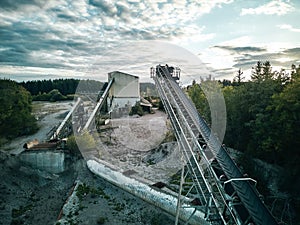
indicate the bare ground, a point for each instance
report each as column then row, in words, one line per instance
column 134, row 144
column 33, row 197
column 30, row 196
column 48, row 115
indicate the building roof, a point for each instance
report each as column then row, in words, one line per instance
column 119, row 72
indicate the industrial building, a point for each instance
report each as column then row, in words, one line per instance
column 123, row 94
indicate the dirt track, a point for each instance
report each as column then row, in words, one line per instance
column 48, row 115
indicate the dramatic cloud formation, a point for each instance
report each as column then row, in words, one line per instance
column 72, row 35
column 88, row 38
column 246, row 57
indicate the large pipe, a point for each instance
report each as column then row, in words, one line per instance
column 165, row 201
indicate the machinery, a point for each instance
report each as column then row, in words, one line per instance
column 217, row 187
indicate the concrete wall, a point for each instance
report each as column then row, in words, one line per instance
column 124, row 86
column 125, row 91
column 121, row 106
column 48, row 160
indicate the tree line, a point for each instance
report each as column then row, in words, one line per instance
column 263, row 117
column 64, row 86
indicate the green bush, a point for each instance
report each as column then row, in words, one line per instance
column 71, row 144
column 51, row 96
column 82, row 191
column 17, row 221
column 86, row 141
column 55, row 95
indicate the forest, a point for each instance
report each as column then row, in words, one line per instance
column 263, row 118
column 15, row 111
column 64, row 86
column 16, row 98
column 60, row 89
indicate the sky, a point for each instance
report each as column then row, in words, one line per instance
column 86, row 39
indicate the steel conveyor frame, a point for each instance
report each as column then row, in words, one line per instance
column 98, row 106
column 188, row 124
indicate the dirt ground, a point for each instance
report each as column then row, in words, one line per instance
column 134, row 144
column 48, row 115
column 107, row 203
column 31, row 196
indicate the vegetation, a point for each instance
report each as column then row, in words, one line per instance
column 15, row 111
column 73, row 147
column 82, row 191
column 64, row 89
column 64, row 86
column 198, row 97
column 148, row 89
column 52, row 96
column 60, row 89
column 22, row 209
column 18, row 215
column 71, row 143
column 263, row 117
column 170, row 136
column 84, row 141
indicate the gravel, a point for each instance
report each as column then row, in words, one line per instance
column 30, row 196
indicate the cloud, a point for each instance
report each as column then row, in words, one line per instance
column 242, row 49
column 84, row 36
column 247, row 56
column 289, row 27
column 224, row 60
column 243, row 40
column 134, row 57
column 293, row 54
column 21, row 4
column 92, row 37
column 275, row 7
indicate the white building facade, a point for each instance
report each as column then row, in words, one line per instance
column 123, row 94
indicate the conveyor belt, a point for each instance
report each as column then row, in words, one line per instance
column 184, row 113
column 66, row 119
column 99, row 105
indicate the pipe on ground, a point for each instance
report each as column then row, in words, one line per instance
column 162, row 200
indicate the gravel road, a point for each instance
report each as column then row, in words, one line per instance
column 48, row 115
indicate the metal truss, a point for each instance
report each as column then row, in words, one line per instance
column 235, row 201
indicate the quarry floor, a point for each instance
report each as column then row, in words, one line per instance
column 139, row 147
column 49, row 115
column 30, row 196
